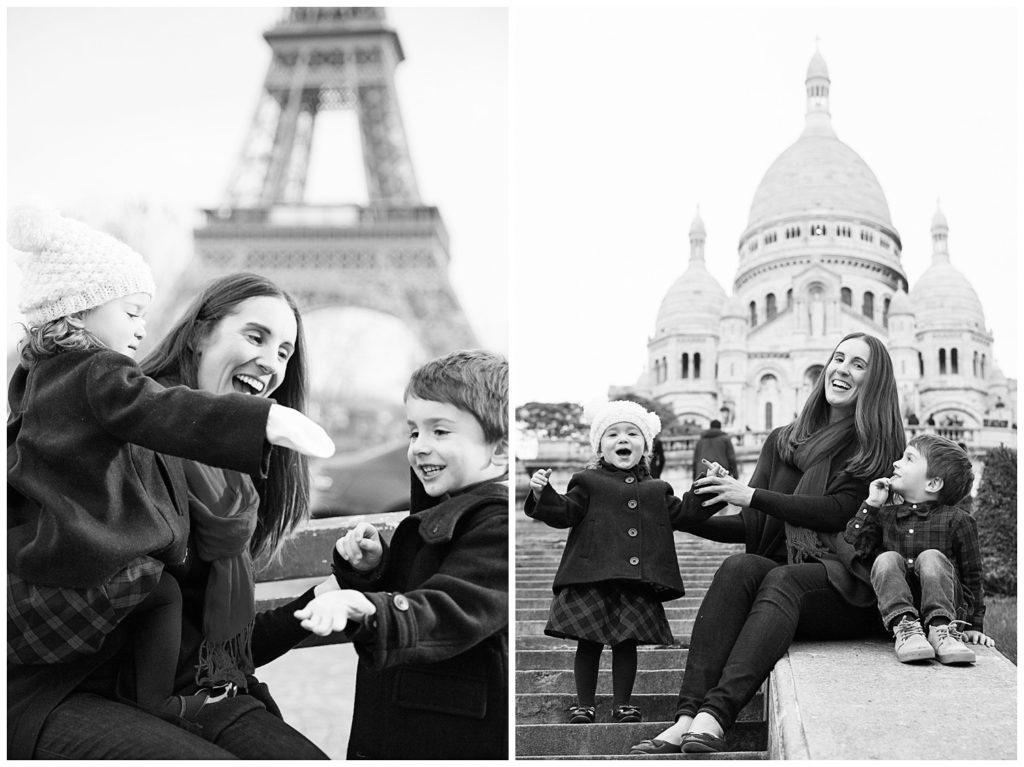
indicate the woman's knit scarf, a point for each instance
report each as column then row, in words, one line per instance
column 223, row 506
column 813, row 457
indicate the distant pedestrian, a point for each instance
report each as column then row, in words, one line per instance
column 619, row 563
column 715, row 446
column 657, row 458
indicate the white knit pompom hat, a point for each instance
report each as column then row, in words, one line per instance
column 603, row 415
column 70, row 266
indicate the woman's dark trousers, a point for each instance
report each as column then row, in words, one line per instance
column 750, row 615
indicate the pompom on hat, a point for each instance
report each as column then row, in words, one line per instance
column 70, row 267
column 603, row 415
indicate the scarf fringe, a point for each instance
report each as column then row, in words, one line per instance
column 226, row 662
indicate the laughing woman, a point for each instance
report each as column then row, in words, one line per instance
column 242, row 334
column 797, row 577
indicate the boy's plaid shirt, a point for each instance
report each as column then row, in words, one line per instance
column 911, row 528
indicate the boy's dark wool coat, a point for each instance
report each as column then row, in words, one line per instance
column 432, row 681
column 622, row 523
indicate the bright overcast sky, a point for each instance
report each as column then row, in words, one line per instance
column 142, row 103
column 627, row 120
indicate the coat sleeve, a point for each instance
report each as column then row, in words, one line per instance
column 827, row 513
column 460, row 605
column 277, row 631
column 557, row 510
column 226, row 430
column 864, row 532
column 686, row 512
column 362, row 580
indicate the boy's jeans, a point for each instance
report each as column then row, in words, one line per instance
column 932, row 580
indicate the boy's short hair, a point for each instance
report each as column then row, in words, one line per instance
column 947, row 461
column 472, row 380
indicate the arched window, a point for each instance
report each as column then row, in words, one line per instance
column 982, row 365
column 954, row 362
column 768, row 416
column 770, row 310
column 975, row 364
column 868, row 309
column 942, row 362
column 920, row 364
column 789, row 298
column 811, row 376
column 753, row 314
column 846, row 296
column 686, row 365
column 696, row 364
column 885, row 311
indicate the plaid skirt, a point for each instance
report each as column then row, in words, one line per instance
column 609, row 612
column 53, row 624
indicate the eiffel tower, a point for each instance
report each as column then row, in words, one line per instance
column 388, row 253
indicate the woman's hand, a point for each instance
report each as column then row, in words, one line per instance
column 723, row 489
column 290, row 428
column 361, row 547
column 333, row 611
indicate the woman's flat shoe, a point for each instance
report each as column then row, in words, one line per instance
column 702, row 743
column 654, row 746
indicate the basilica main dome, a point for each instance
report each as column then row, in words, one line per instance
column 819, row 173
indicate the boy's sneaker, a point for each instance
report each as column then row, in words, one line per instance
column 911, row 644
column 948, row 648
column 581, row 714
column 626, row 714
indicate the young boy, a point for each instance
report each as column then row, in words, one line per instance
column 927, row 563
column 428, row 612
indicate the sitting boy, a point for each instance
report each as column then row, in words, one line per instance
column 428, row 613
column 927, row 563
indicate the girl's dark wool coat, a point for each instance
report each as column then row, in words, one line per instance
column 432, row 680
column 622, row 523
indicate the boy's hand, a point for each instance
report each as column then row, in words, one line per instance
column 976, row 637
column 291, row 429
column 715, row 469
column 878, row 492
column 361, row 547
column 539, row 481
column 332, row 611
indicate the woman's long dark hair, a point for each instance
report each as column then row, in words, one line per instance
column 881, row 438
column 284, row 494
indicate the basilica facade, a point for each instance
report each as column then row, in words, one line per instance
column 820, row 258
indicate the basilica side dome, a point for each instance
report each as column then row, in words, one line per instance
column 943, row 297
column 695, row 300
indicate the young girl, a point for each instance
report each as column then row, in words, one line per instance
column 619, row 562
column 93, row 517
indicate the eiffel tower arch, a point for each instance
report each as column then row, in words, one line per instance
column 388, row 253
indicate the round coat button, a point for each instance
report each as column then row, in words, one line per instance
column 630, row 480
column 911, row 531
column 400, row 602
column 634, row 560
column 632, row 504
column 632, row 532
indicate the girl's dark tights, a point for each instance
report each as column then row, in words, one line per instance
column 588, row 663
column 156, row 634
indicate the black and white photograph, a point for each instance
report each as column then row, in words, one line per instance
column 766, row 266
column 258, row 446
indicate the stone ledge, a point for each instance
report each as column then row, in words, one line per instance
column 854, row 700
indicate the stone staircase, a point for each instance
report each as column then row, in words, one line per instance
column 544, row 684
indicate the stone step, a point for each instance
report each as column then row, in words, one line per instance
column 674, row 612
column 544, row 642
column 742, row 756
column 551, row 708
column 563, row 680
column 646, row 658
column 544, row 592
column 679, row 628
column 614, row 740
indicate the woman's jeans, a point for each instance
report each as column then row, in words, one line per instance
column 930, row 581
column 89, row 726
column 753, row 610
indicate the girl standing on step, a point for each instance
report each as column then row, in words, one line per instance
column 798, row 576
column 619, row 562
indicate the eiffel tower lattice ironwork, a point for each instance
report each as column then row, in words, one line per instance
column 389, row 253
